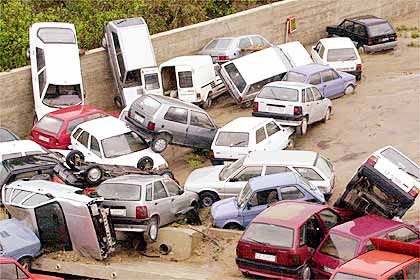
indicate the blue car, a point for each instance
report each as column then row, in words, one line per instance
column 331, row 83
column 259, row 193
column 18, row 242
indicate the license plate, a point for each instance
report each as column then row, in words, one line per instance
column 384, row 39
column 43, row 138
column 139, row 118
column 265, row 257
column 344, row 69
column 274, row 109
column 119, row 212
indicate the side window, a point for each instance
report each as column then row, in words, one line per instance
column 291, row 192
column 175, row 114
column 329, row 218
column 326, row 76
column 308, row 96
column 272, row 128
column 302, row 235
column 403, row 235
column 200, row 120
column 94, row 146
column 260, row 135
column 42, row 80
column 258, row 41
column 244, row 43
column 308, row 173
column 276, row 169
column 72, row 124
column 347, row 25
column 149, row 192
column 359, row 30
column 40, row 59
column 334, row 75
column 397, row 276
column 315, row 79
column 303, row 95
column 172, row 187
column 321, row 51
column 247, row 173
column 413, row 271
column 118, row 53
column 77, row 133
column 316, row 93
column 159, row 191
column 83, row 138
column 265, row 197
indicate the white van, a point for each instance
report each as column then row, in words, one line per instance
column 55, row 66
column 191, row 78
column 132, row 59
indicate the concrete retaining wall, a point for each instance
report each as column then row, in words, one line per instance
column 16, row 101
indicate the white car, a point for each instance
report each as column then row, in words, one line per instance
column 293, row 104
column 109, row 141
column 246, row 134
column 340, row 54
column 19, row 148
column 55, row 65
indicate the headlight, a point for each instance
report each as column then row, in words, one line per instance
column 328, row 270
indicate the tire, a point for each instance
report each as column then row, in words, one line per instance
column 358, row 77
column 246, row 104
column 145, row 164
column 306, row 273
column 208, row 198
column 360, row 49
column 303, row 128
column 327, row 115
column 234, row 226
column 152, row 233
column 94, row 175
column 160, row 142
column 26, row 262
column 207, row 103
column 73, row 157
column 349, row 89
column 118, row 101
column 291, row 143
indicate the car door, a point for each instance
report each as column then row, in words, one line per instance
column 258, row 202
column 261, row 141
column 95, row 148
column 237, row 181
column 244, row 45
column 315, row 79
column 317, row 53
column 37, row 57
column 331, row 83
column 175, row 120
column 201, row 130
column 346, row 29
column 314, row 232
column 278, row 138
column 308, row 105
column 292, row 192
column 359, row 34
column 178, row 201
column 184, row 76
column 161, row 203
column 318, row 109
column 81, row 144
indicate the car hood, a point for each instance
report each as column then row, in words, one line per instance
column 202, row 177
column 225, row 209
column 347, row 77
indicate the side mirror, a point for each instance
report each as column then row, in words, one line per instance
column 181, row 191
column 28, row 53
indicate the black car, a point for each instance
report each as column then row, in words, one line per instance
column 6, row 135
column 370, row 33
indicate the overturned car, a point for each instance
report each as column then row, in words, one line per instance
column 61, row 217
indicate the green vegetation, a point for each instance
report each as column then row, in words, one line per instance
column 195, row 161
column 415, row 34
column 89, row 16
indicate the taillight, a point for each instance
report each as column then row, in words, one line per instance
column 414, row 192
column 88, row 191
column 129, row 114
column 359, row 67
column 142, row 212
column 370, row 42
column 372, row 161
column 151, row 126
column 211, row 154
column 255, row 106
column 240, row 99
column 223, row 57
column 297, row 110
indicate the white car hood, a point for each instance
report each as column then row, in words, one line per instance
column 204, row 177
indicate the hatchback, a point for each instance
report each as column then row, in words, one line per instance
column 260, row 193
column 292, row 104
column 11, row 269
column 351, row 239
column 330, row 83
column 164, row 120
column 280, row 241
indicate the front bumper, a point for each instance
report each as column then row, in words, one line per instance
column 268, row 270
column 286, row 120
column 380, row 47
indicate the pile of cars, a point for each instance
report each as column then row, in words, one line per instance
column 105, row 170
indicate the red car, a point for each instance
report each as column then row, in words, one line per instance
column 54, row 129
column 11, row 269
column 351, row 239
column 391, row 260
column 279, row 242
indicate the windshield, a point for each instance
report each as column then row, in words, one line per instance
column 147, row 104
column 220, row 44
column 339, row 247
column 151, row 81
column 56, row 35
column 341, row 54
column 324, row 165
column 269, row 235
column 232, row 139
column 279, row 93
column 49, row 124
column 402, row 162
column 243, row 196
column 230, row 169
column 62, row 95
column 123, row 144
column 133, row 78
column 380, row 29
column 345, row 276
column 3, row 174
column 124, row 192
column 235, row 77
column 294, row 77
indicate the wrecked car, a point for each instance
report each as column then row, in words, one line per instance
column 386, row 184
column 61, row 217
column 11, row 269
column 18, row 148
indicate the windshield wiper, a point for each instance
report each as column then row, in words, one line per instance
column 409, row 173
column 237, row 143
column 256, row 241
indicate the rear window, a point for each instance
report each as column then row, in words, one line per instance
column 279, row 93
column 220, row 44
column 232, row 139
column 402, row 162
column 324, row 165
column 50, row 125
column 341, row 54
column 339, row 247
column 185, row 79
column 55, row 35
column 271, row 235
column 236, row 77
column 380, row 29
column 294, row 77
column 148, row 105
column 346, row 276
column 119, row 192
column 151, row 81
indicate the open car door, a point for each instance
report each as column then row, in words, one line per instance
column 151, row 81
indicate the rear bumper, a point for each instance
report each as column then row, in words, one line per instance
column 130, row 224
column 287, row 120
column 144, row 132
column 380, row 47
column 357, row 73
column 268, row 270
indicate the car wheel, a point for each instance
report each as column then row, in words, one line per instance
column 234, row 226
column 291, row 143
column 145, row 164
column 208, row 102
column 26, row 262
column 303, row 128
column 117, row 101
column 349, row 89
column 151, row 235
column 208, row 198
column 306, row 273
column 246, row 104
column 73, row 158
column 327, row 115
column 360, row 49
column 94, row 175
column 160, row 143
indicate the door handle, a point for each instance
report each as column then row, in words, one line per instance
column 156, row 203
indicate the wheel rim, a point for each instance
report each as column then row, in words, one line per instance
column 349, row 90
column 304, row 125
column 94, row 174
column 207, row 201
column 306, row 275
column 160, row 144
column 153, row 231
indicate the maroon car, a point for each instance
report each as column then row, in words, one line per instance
column 279, row 242
column 351, row 239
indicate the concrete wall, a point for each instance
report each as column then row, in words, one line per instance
column 16, row 102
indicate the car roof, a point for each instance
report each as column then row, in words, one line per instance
column 366, row 226
column 367, row 20
column 337, row 42
column 273, row 180
column 105, row 127
column 174, row 102
column 294, row 85
column 282, row 157
column 193, row 60
column 244, row 124
column 288, row 213
column 237, row 37
column 133, row 179
column 73, row 112
column 126, row 22
column 310, row 68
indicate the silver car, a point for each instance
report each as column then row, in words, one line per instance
column 141, row 203
column 227, row 48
